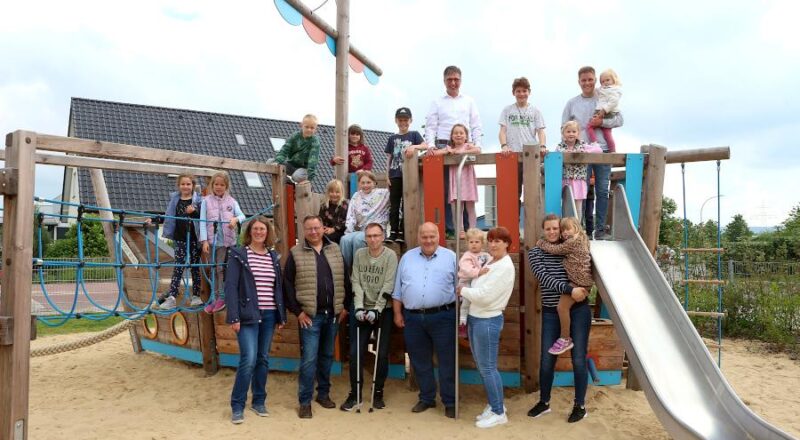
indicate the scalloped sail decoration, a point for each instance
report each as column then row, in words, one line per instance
column 290, row 14
column 317, row 35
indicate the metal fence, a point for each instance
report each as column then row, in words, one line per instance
column 99, row 284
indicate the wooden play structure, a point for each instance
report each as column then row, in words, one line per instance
column 207, row 340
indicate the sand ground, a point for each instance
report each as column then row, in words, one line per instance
column 108, row 392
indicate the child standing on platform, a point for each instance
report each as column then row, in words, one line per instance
column 608, row 96
column 333, row 211
column 471, row 265
column 404, row 142
column 469, row 181
column 219, row 217
column 183, row 203
column 577, row 264
column 575, row 174
column 358, row 155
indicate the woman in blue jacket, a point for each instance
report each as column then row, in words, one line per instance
column 254, row 300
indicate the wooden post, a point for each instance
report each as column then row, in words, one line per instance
column 302, row 204
column 280, row 215
column 102, row 200
column 532, row 183
column 412, row 200
column 208, row 334
column 342, row 74
column 653, row 192
column 15, row 301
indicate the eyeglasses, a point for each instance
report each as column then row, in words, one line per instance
column 314, row 228
column 374, row 235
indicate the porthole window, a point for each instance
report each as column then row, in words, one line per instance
column 180, row 330
column 150, row 327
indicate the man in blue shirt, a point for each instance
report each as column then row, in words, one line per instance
column 425, row 308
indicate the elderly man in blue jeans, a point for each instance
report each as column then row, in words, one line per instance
column 424, row 306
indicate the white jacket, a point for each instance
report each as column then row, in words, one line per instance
column 608, row 98
column 489, row 293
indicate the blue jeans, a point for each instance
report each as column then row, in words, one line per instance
column 602, row 174
column 254, row 345
column 484, row 340
column 580, row 323
column 425, row 333
column 316, row 358
column 350, row 243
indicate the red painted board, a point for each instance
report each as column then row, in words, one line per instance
column 433, row 189
column 292, row 224
column 507, row 201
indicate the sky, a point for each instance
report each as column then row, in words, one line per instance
column 694, row 74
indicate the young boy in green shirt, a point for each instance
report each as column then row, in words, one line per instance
column 300, row 153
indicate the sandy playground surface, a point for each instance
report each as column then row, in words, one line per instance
column 108, row 392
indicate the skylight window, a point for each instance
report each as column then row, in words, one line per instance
column 277, row 143
column 253, row 179
column 240, row 139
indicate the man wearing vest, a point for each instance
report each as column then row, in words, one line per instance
column 318, row 292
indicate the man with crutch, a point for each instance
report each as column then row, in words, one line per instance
column 374, row 269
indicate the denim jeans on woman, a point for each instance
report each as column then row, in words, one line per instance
column 316, row 346
column 484, row 340
column 602, row 176
column 254, row 345
column 581, row 321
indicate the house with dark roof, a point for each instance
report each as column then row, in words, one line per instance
column 213, row 134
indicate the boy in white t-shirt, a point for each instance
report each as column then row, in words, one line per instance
column 521, row 124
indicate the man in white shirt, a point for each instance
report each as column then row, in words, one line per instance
column 446, row 111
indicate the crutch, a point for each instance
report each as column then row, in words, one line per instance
column 388, row 297
column 358, row 367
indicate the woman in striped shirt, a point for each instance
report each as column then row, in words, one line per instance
column 553, row 280
column 254, row 300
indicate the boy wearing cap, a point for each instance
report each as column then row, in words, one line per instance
column 404, row 142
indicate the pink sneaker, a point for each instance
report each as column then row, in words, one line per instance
column 214, row 306
column 561, row 345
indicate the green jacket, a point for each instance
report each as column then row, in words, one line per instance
column 301, row 152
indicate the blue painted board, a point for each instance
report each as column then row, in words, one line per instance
column 553, row 177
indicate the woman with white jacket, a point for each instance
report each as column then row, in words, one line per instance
column 488, row 296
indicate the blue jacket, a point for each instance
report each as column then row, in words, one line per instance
column 169, row 223
column 241, row 297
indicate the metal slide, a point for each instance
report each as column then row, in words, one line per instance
column 683, row 385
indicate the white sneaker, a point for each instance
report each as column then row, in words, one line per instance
column 196, row 301
column 487, row 411
column 492, row 420
column 168, row 303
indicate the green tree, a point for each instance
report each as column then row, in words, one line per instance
column 94, row 242
column 737, row 230
column 671, row 230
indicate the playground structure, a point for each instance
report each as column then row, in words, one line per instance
column 185, row 333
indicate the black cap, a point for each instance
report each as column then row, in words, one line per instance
column 403, row 112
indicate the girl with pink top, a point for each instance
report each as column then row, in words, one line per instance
column 575, row 174
column 469, row 181
column 471, row 265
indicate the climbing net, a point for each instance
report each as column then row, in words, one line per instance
column 123, row 307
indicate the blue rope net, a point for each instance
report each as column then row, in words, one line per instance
column 130, row 310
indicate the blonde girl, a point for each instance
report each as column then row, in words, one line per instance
column 577, row 263
column 608, row 96
column 471, row 265
column 333, row 211
column 183, row 203
column 219, row 217
column 574, row 175
column 469, row 181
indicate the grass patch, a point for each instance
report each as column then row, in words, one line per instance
column 82, row 325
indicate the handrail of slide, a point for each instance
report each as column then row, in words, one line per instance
column 681, row 381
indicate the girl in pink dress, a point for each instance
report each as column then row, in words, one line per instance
column 469, row 181
column 575, row 174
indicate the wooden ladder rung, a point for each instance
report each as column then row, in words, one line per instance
column 715, row 282
column 707, row 314
column 688, row 250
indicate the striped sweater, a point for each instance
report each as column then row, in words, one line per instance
column 264, row 275
column 549, row 270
